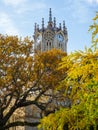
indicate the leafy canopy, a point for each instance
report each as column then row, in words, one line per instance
column 82, row 77
column 26, row 79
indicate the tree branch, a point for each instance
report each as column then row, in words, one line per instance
column 21, row 123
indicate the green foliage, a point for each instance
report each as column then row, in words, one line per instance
column 94, row 29
column 82, row 76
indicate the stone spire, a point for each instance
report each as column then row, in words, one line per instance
column 64, row 28
column 54, row 22
column 60, row 26
column 50, row 15
column 50, row 23
column 35, row 27
column 42, row 24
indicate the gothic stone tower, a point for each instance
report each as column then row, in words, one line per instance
column 46, row 38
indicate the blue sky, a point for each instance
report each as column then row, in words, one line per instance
column 17, row 17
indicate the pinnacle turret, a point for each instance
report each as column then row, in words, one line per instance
column 64, row 28
column 54, row 22
column 50, row 15
column 50, row 23
column 42, row 24
column 35, row 27
column 60, row 26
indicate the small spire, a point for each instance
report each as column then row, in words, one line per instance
column 63, row 24
column 50, row 23
column 59, row 25
column 35, row 28
column 50, row 15
column 54, row 22
column 42, row 23
column 64, row 27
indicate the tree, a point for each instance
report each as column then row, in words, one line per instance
column 24, row 74
column 82, row 77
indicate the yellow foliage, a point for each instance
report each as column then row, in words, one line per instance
column 82, row 75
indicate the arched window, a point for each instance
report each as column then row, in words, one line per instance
column 47, row 44
column 59, row 45
column 50, row 45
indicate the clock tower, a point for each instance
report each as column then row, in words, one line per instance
column 51, row 36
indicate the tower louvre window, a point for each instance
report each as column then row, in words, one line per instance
column 50, row 43
column 47, row 44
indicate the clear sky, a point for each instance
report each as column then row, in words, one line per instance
column 17, row 17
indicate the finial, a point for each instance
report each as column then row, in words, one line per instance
column 50, row 23
column 54, row 22
column 42, row 23
column 35, row 28
column 50, row 15
column 59, row 25
column 64, row 27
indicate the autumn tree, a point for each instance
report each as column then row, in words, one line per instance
column 82, row 77
column 24, row 74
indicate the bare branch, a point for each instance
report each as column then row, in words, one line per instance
column 21, row 123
